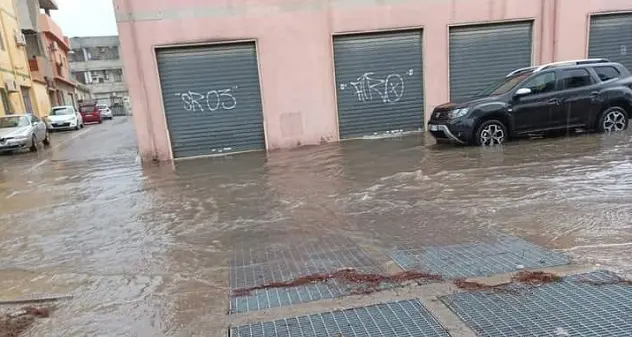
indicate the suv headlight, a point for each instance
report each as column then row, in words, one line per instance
column 456, row 113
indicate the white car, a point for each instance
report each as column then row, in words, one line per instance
column 19, row 132
column 106, row 113
column 64, row 118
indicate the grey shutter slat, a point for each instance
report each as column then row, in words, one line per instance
column 192, row 81
column 610, row 36
column 379, row 83
column 482, row 55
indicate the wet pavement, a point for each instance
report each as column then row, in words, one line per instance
column 147, row 251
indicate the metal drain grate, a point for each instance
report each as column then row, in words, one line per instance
column 401, row 319
column 592, row 304
column 506, row 254
column 255, row 268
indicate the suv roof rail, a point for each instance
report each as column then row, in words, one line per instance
column 571, row 63
column 520, row 70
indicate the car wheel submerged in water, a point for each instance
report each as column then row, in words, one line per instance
column 614, row 119
column 491, row 133
column 33, row 147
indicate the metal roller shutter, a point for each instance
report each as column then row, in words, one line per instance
column 379, row 83
column 212, row 99
column 611, row 37
column 481, row 55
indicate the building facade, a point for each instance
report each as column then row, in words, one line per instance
column 46, row 53
column 95, row 62
column 57, row 46
column 38, row 62
column 83, row 92
column 217, row 78
column 16, row 87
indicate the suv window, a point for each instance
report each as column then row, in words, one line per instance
column 541, row 84
column 575, row 78
column 606, row 73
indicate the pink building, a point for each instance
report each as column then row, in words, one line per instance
column 209, row 77
column 61, row 89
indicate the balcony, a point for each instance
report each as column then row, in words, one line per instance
column 48, row 4
column 48, row 26
column 107, row 88
column 37, row 65
column 96, row 65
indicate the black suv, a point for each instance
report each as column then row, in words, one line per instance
column 593, row 94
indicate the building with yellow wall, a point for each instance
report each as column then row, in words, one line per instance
column 16, row 86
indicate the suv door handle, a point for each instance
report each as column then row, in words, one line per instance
column 554, row 101
column 594, row 94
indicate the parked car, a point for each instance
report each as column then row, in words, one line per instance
column 592, row 94
column 22, row 132
column 90, row 113
column 106, row 112
column 64, row 118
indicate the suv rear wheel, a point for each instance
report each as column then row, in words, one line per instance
column 492, row 132
column 614, row 119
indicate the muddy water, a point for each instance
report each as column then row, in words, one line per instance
column 145, row 250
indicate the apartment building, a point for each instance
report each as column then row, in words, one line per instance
column 95, row 61
column 16, row 86
column 46, row 51
column 62, row 87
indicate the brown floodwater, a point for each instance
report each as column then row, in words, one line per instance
column 145, row 251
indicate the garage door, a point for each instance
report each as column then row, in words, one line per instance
column 611, row 37
column 481, row 55
column 379, row 83
column 212, row 99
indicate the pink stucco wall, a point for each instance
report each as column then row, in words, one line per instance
column 294, row 41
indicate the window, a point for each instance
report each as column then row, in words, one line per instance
column 607, row 73
column 575, row 78
column 61, row 111
column 5, row 102
column 13, row 121
column 118, row 75
column 34, row 119
column 503, row 85
column 541, row 84
column 88, row 108
column 1, row 41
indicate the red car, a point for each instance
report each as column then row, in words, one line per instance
column 90, row 113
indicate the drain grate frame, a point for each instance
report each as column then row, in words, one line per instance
column 591, row 304
column 407, row 318
column 251, row 268
column 503, row 255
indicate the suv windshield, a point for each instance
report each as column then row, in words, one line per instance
column 61, row 111
column 87, row 108
column 504, row 85
column 13, row 122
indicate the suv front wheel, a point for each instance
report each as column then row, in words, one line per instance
column 492, row 132
column 614, row 119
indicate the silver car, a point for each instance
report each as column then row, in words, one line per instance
column 19, row 132
column 106, row 113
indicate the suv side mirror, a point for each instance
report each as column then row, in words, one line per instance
column 522, row 92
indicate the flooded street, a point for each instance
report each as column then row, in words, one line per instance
column 146, row 251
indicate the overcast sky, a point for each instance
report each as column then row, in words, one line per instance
column 85, row 17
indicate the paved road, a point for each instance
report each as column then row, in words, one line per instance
column 146, row 251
